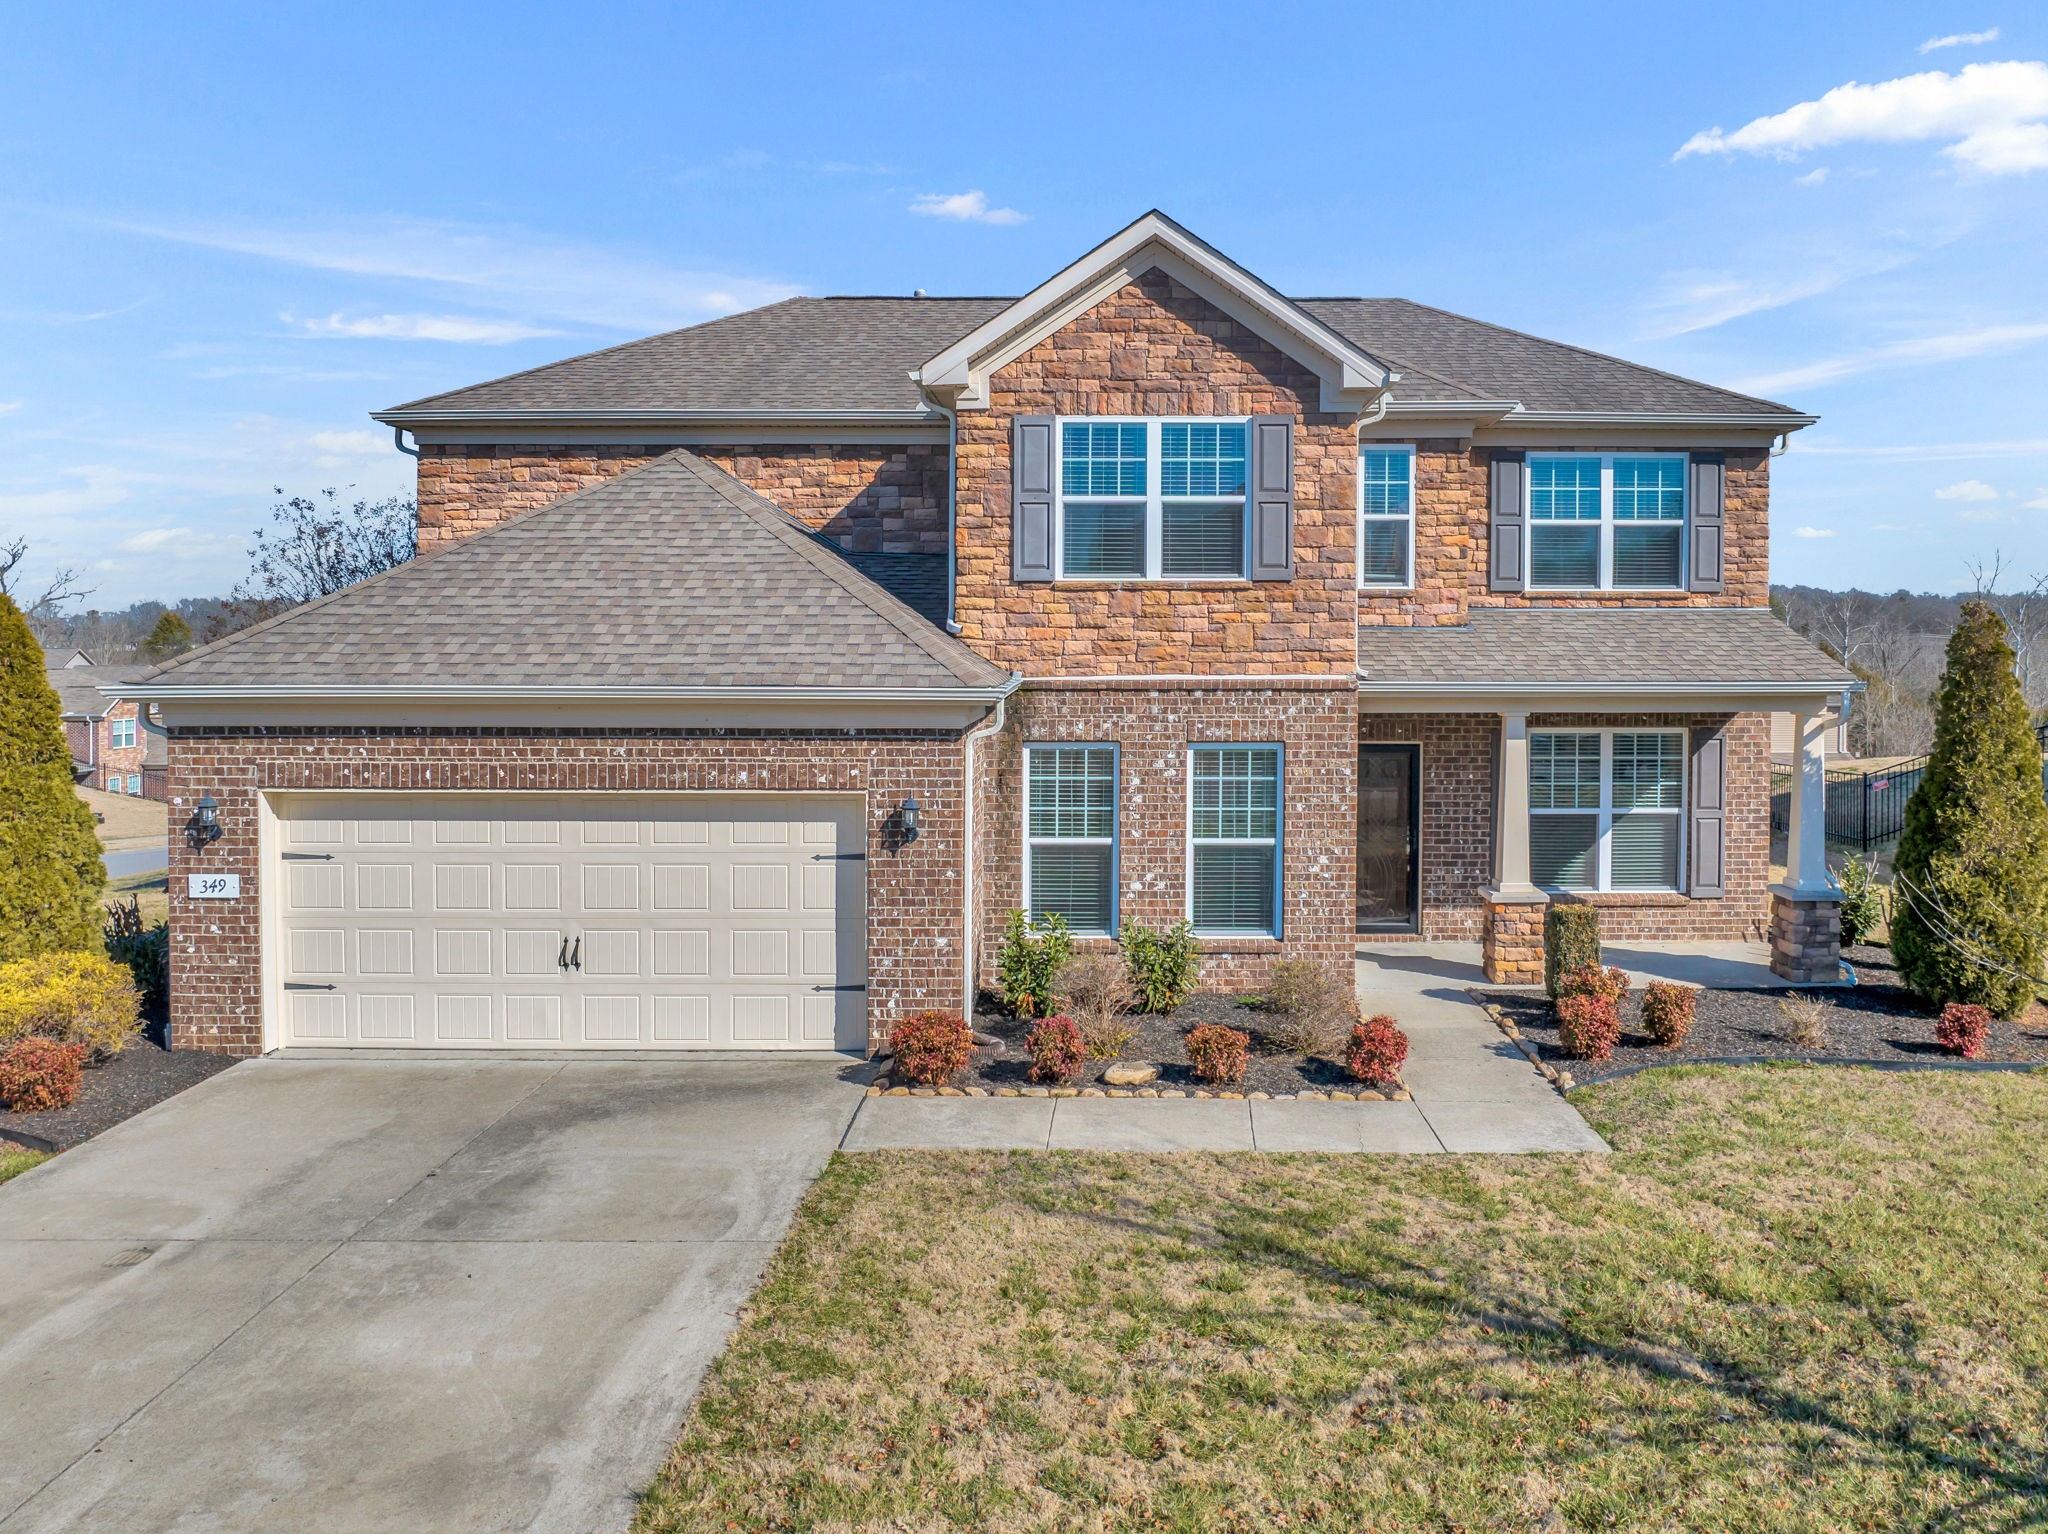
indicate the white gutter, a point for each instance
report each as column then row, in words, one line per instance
column 1615, row 689
column 1508, row 412
column 443, row 694
column 404, row 417
column 968, row 742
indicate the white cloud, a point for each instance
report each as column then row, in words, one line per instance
column 180, row 543
column 1813, row 177
column 1966, row 490
column 1960, row 40
column 9, row 406
column 1701, row 298
column 525, row 275
column 1996, row 116
column 966, row 207
column 1921, row 349
column 2038, row 503
column 1980, row 514
column 422, row 327
column 1813, row 532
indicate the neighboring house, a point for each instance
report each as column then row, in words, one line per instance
column 752, row 673
column 114, row 745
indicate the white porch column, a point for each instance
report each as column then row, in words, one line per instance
column 1511, row 804
column 1806, row 847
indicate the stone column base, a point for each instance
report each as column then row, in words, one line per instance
column 1806, row 935
column 1511, row 938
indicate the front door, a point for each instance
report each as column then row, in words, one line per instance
column 1387, row 838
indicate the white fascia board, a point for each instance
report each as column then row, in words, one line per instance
column 431, row 693
column 910, row 415
column 1350, row 377
column 1629, row 696
column 1751, row 421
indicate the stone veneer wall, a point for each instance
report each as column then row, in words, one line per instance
column 871, row 499
column 1153, row 726
column 1451, row 496
column 1458, row 773
column 1156, row 348
column 915, row 897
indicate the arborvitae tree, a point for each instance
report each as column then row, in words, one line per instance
column 50, row 871
column 1970, row 896
column 171, row 636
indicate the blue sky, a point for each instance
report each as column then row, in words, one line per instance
column 229, row 232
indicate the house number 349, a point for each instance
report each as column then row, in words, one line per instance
column 214, row 886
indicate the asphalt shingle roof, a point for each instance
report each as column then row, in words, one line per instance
column 1580, row 646
column 673, row 575
column 77, row 687
column 858, row 354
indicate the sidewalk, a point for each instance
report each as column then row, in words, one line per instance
column 1473, row 1092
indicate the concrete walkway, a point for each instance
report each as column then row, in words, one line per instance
column 389, row 1293
column 1473, row 1092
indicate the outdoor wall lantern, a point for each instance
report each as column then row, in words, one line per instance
column 907, row 817
column 203, row 828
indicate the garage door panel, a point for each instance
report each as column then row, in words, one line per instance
column 704, row 921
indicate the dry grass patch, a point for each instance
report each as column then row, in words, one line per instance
column 1793, row 1299
column 126, row 820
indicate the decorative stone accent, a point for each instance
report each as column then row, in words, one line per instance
column 1128, row 1075
column 1806, row 936
column 1512, row 938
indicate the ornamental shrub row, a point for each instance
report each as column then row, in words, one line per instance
column 1035, row 961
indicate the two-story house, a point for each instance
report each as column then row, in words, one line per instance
column 114, row 744
column 751, row 674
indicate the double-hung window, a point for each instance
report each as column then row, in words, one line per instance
column 1606, row 522
column 1152, row 499
column 120, row 733
column 1605, row 808
column 135, row 783
column 1070, row 835
column 1386, row 516
column 1234, row 839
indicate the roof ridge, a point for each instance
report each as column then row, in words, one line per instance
column 803, row 540
column 1587, row 351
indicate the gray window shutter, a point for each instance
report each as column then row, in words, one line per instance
column 1272, row 469
column 1031, row 449
column 1507, row 540
column 1709, row 474
column 1709, row 817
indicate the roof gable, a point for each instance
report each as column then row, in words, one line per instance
column 1351, row 376
column 671, row 577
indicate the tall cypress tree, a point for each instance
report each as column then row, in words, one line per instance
column 50, row 871
column 1970, row 899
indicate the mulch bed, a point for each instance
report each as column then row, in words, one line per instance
column 139, row 1077
column 1877, row 1019
column 1005, row 1065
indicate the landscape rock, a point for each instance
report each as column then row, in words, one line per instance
column 1130, row 1074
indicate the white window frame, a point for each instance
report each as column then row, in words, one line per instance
column 1153, row 500
column 116, row 729
column 1606, row 813
column 1407, row 581
column 1112, row 841
column 1607, row 524
column 135, row 784
column 1278, row 841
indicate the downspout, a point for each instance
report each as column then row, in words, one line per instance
column 1784, row 445
column 991, row 726
column 398, row 436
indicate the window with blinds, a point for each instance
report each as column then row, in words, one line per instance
column 1152, row 499
column 1070, row 796
column 1606, row 521
column 1234, row 839
column 1386, row 516
column 1605, row 808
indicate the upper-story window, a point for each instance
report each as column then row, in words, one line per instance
column 1386, row 517
column 120, row 733
column 1606, row 522
column 1152, row 499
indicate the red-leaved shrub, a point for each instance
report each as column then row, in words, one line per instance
column 40, row 1073
column 1378, row 1046
column 1963, row 1029
column 1588, row 1026
column 1610, row 985
column 1057, row 1049
column 931, row 1047
column 1217, row 1053
column 1668, row 1011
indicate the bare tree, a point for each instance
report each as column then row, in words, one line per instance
column 63, row 586
column 318, row 545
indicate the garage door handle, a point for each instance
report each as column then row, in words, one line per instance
column 308, row 857
column 839, row 857
column 301, row 985
column 839, row 988
column 576, row 958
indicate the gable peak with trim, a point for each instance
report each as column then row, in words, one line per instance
column 1352, row 378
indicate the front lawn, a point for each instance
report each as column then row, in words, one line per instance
column 1793, row 1299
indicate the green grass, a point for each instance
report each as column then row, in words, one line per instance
column 1793, row 1299
column 14, row 1162
column 150, row 890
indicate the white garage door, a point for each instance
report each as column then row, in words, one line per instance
column 571, row 922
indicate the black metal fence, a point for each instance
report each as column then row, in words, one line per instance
column 1865, row 808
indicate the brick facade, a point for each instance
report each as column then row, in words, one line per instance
column 1155, row 348
column 1153, row 727
column 871, row 499
column 915, row 904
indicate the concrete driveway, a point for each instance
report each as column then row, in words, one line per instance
column 372, row 1294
